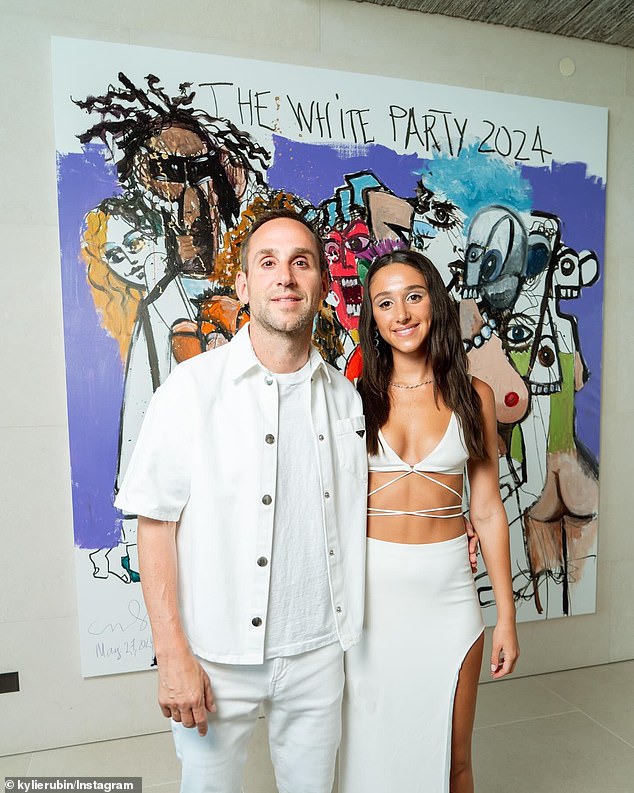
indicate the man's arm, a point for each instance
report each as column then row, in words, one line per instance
column 184, row 691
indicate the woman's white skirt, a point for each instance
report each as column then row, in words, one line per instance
column 421, row 618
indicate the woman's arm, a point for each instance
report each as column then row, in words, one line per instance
column 489, row 519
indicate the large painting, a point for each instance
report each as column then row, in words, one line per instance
column 163, row 160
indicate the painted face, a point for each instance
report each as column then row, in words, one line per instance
column 178, row 169
column 535, row 352
column 495, row 259
column 284, row 284
column 401, row 307
column 128, row 251
column 342, row 248
column 529, row 335
column 436, row 231
column 573, row 271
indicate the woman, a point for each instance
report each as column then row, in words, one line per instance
column 412, row 681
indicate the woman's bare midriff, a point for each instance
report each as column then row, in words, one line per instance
column 414, row 492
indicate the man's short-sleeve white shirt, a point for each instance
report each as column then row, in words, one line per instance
column 206, row 457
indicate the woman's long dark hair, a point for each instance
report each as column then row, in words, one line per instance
column 446, row 354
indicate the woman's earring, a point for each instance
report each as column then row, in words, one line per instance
column 377, row 340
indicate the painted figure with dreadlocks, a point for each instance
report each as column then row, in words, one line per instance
column 150, row 252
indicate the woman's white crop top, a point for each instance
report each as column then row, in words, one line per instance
column 448, row 457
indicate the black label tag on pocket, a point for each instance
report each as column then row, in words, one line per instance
column 361, row 433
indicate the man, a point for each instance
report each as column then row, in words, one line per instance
column 249, row 477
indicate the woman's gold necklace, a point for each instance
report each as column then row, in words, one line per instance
column 416, row 385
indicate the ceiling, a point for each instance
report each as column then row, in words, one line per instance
column 608, row 21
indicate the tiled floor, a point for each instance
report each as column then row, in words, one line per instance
column 568, row 732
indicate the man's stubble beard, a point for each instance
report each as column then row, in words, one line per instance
column 291, row 329
column 295, row 328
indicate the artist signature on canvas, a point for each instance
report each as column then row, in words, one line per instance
column 138, row 620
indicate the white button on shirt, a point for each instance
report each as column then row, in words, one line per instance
column 204, row 458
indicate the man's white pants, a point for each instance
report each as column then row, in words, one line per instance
column 302, row 699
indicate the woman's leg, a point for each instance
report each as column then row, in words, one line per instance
column 461, row 775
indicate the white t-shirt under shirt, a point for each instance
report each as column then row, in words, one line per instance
column 300, row 613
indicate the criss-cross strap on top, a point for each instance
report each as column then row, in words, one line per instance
column 449, row 456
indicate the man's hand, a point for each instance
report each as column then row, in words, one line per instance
column 474, row 542
column 184, row 691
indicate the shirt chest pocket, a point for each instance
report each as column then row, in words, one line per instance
column 350, row 445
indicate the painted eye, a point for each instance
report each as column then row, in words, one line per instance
column 518, row 334
column 114, row 254
column 358, row 243
column 332, row 250
column 442, row 218
column 473, row 253
column 135, row 242
column 491, row 266
column 538, row 257
column 546, row 356
column 442, row 215
column 567, row 265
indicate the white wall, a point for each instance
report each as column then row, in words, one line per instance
column 38, row 618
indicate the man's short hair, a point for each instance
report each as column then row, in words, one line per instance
column 275, row 214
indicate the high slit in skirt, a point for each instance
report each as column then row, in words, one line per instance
column 421, row 618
